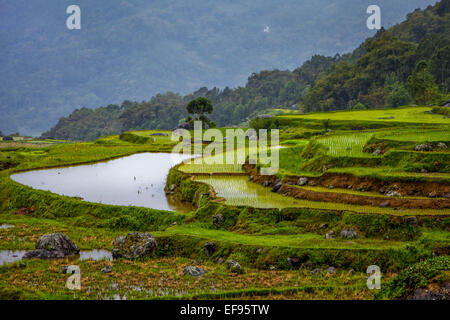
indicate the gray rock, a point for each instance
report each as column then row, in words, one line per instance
column 302, row 181
column 423, row 147
column 376, row 152
column 234, row 266
column 432, row 194
column 293, row 262
column 330, row 235
column 53, row 246
column 218, row 219
column 272, row 268
column 330, row 187
column 44, row 254
column 266, row 183
column 251, row 178
column 134, row 245
column 259, row 250
column 107, row 269
column 323, row 225
column 209, row 248
column 436, row 292
column 393, row 193
column 194, row 271
column 424, row 171
column 349, row 233
column 316, row 272
column 57, row 242
column 277, row 187
column 331, row 270
column 351, row 272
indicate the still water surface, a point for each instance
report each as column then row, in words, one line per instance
column 136, row 180
column 8, row 256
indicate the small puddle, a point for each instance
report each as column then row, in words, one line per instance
column 9, row 256
column 96, row 255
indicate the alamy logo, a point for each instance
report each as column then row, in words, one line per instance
column 240, row 145
column 73, row 22
column 374, row 279
column 374, row 21
column 74, row 281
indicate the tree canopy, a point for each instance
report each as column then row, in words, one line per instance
column 199, row 107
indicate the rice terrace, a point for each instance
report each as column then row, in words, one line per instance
column 350, row 202
column 343, row 199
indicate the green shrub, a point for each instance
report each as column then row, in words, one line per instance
column 414, row 277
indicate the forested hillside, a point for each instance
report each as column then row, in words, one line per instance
column 135, row 49
column 385, row 71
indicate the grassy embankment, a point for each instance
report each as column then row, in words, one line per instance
column 257, row 238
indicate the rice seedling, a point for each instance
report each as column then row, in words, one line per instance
column 239, row 191
column 349, row 145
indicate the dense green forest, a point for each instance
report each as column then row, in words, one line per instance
column 408, row 63
column 136, row 49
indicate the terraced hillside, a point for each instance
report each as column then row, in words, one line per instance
column 348, row 195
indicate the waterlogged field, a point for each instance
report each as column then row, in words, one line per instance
column 218, row 163
column 349, row 145
column 239, row 191
column 260, row 240
column 410, row 114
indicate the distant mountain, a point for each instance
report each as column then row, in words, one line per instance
column 376, row 74
column 135, row 49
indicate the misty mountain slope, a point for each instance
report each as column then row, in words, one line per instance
column 132, row 50
column 375, row 75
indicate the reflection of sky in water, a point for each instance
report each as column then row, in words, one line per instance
column 8, row 256
column 137, row 180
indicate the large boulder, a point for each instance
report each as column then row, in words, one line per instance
column 134, row 245
column 348, row 233
column 53, row 246
column 43, row 254
column 194, row 271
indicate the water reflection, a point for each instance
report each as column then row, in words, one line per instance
column 8, row 256
column 137, row 180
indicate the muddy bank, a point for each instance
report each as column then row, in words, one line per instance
column 344, row 181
